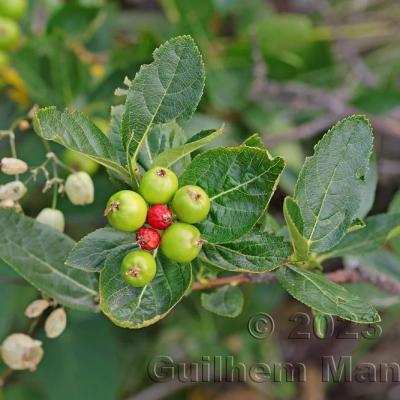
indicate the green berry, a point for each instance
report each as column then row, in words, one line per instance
column 126, row 210
column 158, row 185
column 181, row 242
column 138, row 268
column 191, row 204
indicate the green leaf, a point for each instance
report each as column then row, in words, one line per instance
column 370, row 183
column 375, row 296
column 174, row 154
column 226, row 301
column 161, row 138
column 370, row 238
column 90, row 253
column 325, row 296
column 331, row 182
column 356, row 225
column 379, row 261
column 115, row 132
column 294, row 221
column 167, row 89
column 254, row 141
column 75, row 131
column 37, row 253
column 394, row 205
column 254, row 252
column 240, row 182
column 134, row 308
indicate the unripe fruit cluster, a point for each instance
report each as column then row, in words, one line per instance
column 180, row 241
column 10, row 12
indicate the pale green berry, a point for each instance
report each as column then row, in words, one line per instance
column 52, row 217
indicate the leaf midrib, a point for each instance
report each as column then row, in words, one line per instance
column 140, row 143
column 310, row 240
column 243, row 183
column 54, row 270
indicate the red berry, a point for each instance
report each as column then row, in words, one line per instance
column 159, row 217
column 148, row 238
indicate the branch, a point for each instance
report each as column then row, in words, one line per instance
column 356, row 274
column 334, row 104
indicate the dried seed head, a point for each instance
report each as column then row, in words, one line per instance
column 53, row 218
column 20, row 351
column 13, row 166
column 8, row 203
column 79, row 188
column 36, row 308
column 12, row 190
column 55, row 323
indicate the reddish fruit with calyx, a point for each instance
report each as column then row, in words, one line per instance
column 148, row 238
column 159, row 217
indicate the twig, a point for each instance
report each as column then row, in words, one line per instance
column 335, row 104
column 357, row 274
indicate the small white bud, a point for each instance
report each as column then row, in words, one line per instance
column 36, row 308
column 55, row 323
column 79, row 188
column 12, row 190
column 13, row 166
column 53, row 218
column 20, row 351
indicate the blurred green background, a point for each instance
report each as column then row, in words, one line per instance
column 286, row 69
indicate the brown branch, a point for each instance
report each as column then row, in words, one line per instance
column 357, row 274
column 335, row 104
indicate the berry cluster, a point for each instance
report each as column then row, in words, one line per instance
column 180, row 241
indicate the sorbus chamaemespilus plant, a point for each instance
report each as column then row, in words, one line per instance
column 159, row 216
column 158, row 185
column 148, row 238
column 191, row 204
column 126, row 210
column 181, row 242
column 138, row 268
